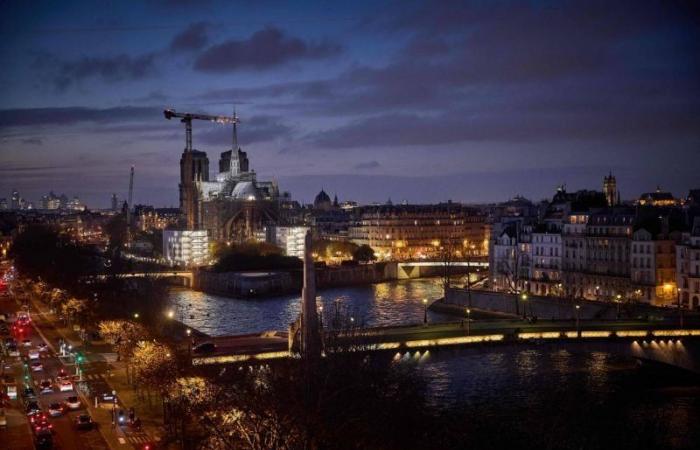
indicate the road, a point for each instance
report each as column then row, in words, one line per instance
column 92, row 383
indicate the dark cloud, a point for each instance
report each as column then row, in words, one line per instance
column 32, row 141
column 264, row 49
column 31, row 117
column 193, row 38
column 367, row 165
column 116, row 68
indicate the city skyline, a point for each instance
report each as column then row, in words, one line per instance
column 423, row 103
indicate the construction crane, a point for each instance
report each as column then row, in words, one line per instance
column 187, row 118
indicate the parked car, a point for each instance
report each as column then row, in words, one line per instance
column 83, row 422
column 107, row 397
column 73, row 402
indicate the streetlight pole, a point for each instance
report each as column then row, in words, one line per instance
column 680, row 308
column 578, row 324
column 524, row 298
column 425, row 311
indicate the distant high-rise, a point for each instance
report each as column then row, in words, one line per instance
column 3, row 203
column 612, row 195
column 115, row 202
column 15, row 200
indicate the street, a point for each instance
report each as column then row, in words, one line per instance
column 65, row 434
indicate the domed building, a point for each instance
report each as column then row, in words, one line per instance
column 323, row 201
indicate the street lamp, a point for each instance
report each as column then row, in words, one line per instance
column 578, row 327
column 524, row 298
column 425, row 311
column 136, row 315
column 171, row 314
column 618, row 298
column 320, row 316
column 469, row 311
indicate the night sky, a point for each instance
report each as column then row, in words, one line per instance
column 423, row 101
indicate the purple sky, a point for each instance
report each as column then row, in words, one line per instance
column 424, row 101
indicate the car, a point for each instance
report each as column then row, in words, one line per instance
column 3, row 418
column 33, row 354
column 10, row 390
column 204, row 347
column 26, row 343
column 43, row 347
column 10, row 341
column 55, row 409
column 83, row 422
column 62, row 375
column 37, row 366
column 46, row 387
column 32, row 408
column 108, row 397
column 43, row 440
column 40, row 422
column 29, row 393
column 65, row 386
column 12, row 350
column 73, row 402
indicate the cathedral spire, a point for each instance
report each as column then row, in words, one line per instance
column 235, row 130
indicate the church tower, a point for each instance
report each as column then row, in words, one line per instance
column 612, row 195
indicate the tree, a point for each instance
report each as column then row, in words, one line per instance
column 73, row 308
column 364, row 253
column 153, row 366
column 123, row 335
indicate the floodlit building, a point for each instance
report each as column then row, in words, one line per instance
column 188, row 247
column 401, row 232
column 688, row 267
column 290, row 239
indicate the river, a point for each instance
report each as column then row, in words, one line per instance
column 541, row 396
column 390, row 303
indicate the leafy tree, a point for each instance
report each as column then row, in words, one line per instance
column 124, row 336
column 153, row 366
column 364, row 253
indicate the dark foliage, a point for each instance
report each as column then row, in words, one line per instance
column 41, row 252
column 254, row 257
column 364, row 253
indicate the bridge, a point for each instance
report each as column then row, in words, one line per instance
column 186, row 275
column 422, row 268
column 636, row 339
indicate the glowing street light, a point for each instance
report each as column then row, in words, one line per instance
column 578, row 328
column 469, row 312
column 524, row 299
column 425, row 311
column 136, row 315
column 170, row 314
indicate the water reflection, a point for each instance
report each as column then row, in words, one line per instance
column 392, row 303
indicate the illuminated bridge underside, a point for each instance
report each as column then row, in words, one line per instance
column 662, row 346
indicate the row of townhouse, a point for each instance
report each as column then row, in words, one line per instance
column 608, row 254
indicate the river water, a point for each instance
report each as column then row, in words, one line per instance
column 541, row 396
column 391, row 303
